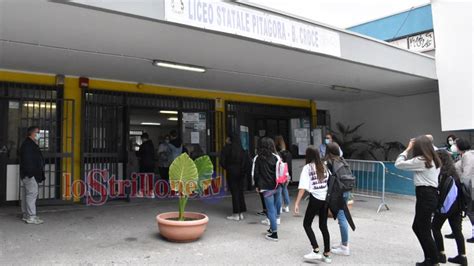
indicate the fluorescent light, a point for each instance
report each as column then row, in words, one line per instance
column 150, row 124
column 42, row 105
column 173, row 119
column 168, row 112
column 345, row 89
column 178, row 66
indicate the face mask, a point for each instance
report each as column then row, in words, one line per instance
column 37, row 136
column 167, row 141
column 451, row 142
column 327, row 141
column 454, row 148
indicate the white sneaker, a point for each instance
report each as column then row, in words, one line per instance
column 34, row 220
column 286, row 209
column 341, row 250
column 313, row 256
column 327, row 259
column 241, row 216
column 278, row 221
column 235, row 217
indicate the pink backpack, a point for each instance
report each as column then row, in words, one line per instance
column 281, row 172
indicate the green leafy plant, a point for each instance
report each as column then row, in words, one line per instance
column 347, row 139
column 188, row 177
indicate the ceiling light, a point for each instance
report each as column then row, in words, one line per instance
column 173, row 119
column 150, row 124
column 168, row 112
column 345, row 89
column 178, row 66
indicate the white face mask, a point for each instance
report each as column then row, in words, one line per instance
column 454, row 148
column 327, row 141
column 37, row 136
column 451, row 142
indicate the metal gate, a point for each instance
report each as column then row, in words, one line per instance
column 24, row 105
column 106, row 132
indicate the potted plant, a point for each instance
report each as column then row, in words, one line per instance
column 187, row 178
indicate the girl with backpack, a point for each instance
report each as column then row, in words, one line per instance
column 426, row 167
column 265, row 177
column 286, row 157
column 449, row 188
column 314, row 179
column 335, row 162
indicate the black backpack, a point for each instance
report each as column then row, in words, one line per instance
column 343, row 172
column 466, row 195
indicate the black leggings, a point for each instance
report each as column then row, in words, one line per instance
column 426, row 204
column 455, row 221
column 236, row 188
column 317, row 207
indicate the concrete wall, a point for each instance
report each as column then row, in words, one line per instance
column 393, row 118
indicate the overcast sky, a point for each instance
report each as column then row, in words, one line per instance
column 341, row 13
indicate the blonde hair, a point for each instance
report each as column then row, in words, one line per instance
column 280, row 142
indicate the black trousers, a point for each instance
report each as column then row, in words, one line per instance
column 236, row 186
column 164, row 173
column 455, row 222
column 426, row 204
column 320, row 208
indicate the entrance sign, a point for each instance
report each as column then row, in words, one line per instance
column 235, row 19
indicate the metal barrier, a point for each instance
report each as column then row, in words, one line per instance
column 370, row 180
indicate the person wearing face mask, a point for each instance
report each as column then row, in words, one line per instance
column 452, row 148
column 322, row 148
column 31, row 173
column 164, row 158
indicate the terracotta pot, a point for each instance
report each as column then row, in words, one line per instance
column 182, row 231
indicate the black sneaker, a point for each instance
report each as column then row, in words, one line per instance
column 442, row 258
column 470, row 240
column 262, row 213
column 426, row 263
column 272, row 237
column 450, row 236
column 462, row 260
column 269, row 232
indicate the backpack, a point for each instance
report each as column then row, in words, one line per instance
column 281, row 171
column 466, row 195
column 343, row 172
column 448, row 193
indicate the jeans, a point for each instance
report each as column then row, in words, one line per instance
column 455, row 222
column 343, row 224
column 317, row 207
column 273, row 204
column 426, row 204
column 29, row 193
column 285, row 194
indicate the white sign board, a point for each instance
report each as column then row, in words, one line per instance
column 453, row 23
column 240, row 20
column 421, row 42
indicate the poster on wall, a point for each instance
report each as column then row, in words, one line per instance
column 244, row 137
column 195, row 129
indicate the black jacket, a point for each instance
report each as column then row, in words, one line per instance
column 264, row 173
column 146, row 154
column 234, row 165
column 335, row 197
column 31, row 161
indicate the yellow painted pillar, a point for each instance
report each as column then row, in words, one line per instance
column 73, row 92
column 314, row 114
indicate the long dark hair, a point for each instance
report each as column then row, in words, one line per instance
column 447, row 165
column 266, row 148
column 423, row 147
column 237, row 149
column 312, row 156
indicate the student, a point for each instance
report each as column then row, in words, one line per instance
column 451, row 147
column 465, row 167
column 146, row 162
column 322, row 148
column 334, row 162
column 426, row 167
column 286, row 158
column 264, row 173
column 314, row 179
column 453, row 213
column 233, row 161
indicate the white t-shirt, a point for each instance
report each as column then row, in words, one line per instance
column 309, row 181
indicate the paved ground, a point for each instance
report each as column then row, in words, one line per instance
column 126, row 233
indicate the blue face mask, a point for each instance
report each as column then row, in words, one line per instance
column 37, row 136
column 327, row 141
